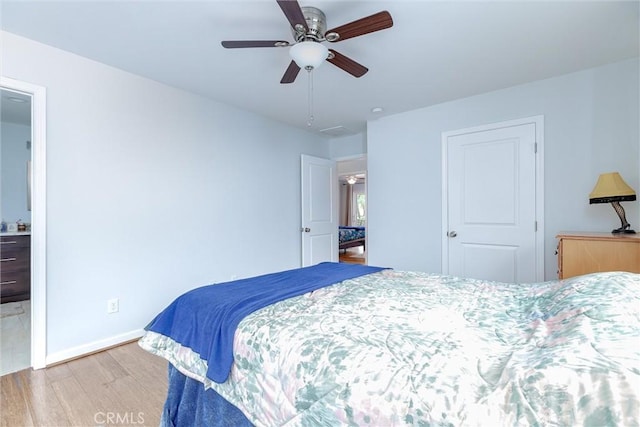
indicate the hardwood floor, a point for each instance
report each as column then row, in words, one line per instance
column 124, row 385
column 353, row 255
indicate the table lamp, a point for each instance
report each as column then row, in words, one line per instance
column 611, row 188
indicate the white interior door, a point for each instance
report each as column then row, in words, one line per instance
column 319, row 225
column 491, row 203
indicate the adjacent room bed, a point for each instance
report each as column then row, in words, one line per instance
column 350, row 237
column 344, row 344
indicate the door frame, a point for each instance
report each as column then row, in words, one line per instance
column 538, row 121
column 38, row 216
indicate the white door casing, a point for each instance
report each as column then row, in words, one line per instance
column 492, row 202
column 38, row 217
column 319, row 226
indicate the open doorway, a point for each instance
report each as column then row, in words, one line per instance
column 352, row 206
column 37, row 197
column 15, row 234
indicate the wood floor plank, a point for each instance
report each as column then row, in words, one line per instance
column 109, row 365
column 148, row 369
column 42, row 399
column 98, row 367
column 15, row 410
column 353, row 256
column 121, row 386
column 58, row 372
column 96, row 383
column 136, row 403
column 80, row 410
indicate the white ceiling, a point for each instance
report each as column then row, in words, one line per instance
column 436, row 51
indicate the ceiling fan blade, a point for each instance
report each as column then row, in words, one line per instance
column 293, row 12
column 291, row 73
column 376, row 22
column 234, row 44
column 347, row 64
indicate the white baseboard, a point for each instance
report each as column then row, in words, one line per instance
column 92, row 347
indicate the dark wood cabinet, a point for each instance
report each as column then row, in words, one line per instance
column 15, row 268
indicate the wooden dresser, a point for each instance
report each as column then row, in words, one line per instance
column 15, row 268
column 583, row 253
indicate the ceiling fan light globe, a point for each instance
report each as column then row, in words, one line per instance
column 309, row 54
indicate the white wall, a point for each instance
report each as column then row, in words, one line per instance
column 591, row 127
column 14, row 154
column 152, row 191
column 348, row 146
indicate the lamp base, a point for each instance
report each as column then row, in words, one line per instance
column 623, row 230
column 625, row 227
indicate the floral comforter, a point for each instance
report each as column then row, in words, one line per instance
column 347, row 234
column 405, row 348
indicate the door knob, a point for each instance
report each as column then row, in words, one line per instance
column 305, row 229
column 452, row 234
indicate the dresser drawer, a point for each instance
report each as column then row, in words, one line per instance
column 11, row 243
column 12, row 284
column 15, row 268
column 13, row 262
column 14, row 250
column 21, row 274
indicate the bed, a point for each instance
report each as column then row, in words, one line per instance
column 387, row 348
column 350, row 237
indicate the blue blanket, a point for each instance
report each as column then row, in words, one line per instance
column 189, row 404
column 205, row 319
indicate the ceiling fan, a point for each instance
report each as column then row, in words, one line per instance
column 309, row 31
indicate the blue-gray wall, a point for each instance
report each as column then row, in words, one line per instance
column 591, row 126
column 152, row 191
column 14, row 154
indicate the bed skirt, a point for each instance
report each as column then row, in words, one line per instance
column 189, row 404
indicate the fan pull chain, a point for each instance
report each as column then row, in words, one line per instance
column 310, row 119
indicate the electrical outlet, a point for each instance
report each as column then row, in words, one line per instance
column 113, row 305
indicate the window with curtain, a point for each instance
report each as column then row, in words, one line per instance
column 358, row 205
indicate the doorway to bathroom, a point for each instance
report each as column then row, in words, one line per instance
column 15, row 239
column 23, row 124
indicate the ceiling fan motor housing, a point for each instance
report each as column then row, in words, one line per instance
column 316, row 22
